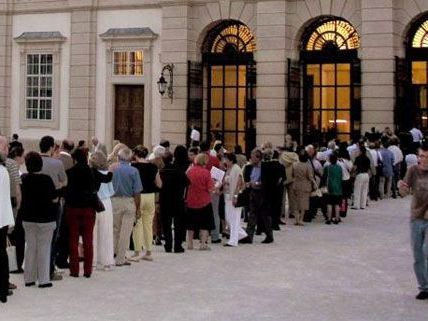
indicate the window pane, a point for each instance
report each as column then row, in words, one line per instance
column 230, row 120
column 241, row 140
column 327, row 120
column 242, row 74
column 217, row 98
column 328, row 99
column 230, row 75
column 344, row 97
column 419, row 72
column 241, row 98
column 343, row 74
column 230, row 98
column 229, row 141
column 241, row 120
column 316, row 119
column 314, row 72
column 423, row 97
column 216, row 119
column 343, row 121
column 316, row 97
column 328, row 74
column 217, row 76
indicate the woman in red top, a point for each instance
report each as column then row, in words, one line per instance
column 199, row 210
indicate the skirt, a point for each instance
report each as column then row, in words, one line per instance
column 103, row 236
column 200, row 218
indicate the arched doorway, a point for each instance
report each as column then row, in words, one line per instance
column 412, row 79
column 331, row 80
column 228, row 56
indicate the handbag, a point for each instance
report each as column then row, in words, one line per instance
column 11, row 255
column 242, row 199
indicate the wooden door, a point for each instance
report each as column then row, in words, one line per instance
column 129, row 115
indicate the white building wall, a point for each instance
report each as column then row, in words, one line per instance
column 32, row 23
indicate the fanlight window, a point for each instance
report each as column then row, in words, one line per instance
column 420, row 38
column 234, row 38
column 334, row 33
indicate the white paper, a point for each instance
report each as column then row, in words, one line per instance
column 217, row 174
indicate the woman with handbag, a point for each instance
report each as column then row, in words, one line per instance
column 6, row 219
column 39, row 221
column 80, row 203
column 332, row 179
column 233, row 183
column 103, row 229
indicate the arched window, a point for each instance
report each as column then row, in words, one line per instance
column 331, row 80
column 420, row 36
column 333, row 33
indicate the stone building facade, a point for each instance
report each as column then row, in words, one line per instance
column 249, row 71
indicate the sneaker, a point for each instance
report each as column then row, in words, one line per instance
column 55, row 277
column 423, row 295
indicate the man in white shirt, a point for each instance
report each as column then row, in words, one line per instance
column 97, row 146
column 417, row 136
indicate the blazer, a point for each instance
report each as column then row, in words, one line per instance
column 303, row 177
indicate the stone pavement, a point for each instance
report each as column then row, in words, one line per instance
column 359, row 270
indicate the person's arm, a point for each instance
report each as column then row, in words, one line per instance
column 158, row 180
column 18, row 196
column 137, row 188
column 103, row 178
column 62, row 176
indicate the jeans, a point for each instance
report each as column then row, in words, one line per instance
column 419, row 239
column 215, row 201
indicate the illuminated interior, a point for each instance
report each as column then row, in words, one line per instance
column 420, row 87
column 339, row 33
column 420, row 38
column 236, row 37
column 128, row 63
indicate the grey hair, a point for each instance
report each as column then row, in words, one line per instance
column 125, row 154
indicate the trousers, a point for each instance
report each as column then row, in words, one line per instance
column 215, row 201
column 123, row 221
column 233, row 218
column 361, row 188
column 81, row 221
column 142, row 234
column 38, row 251
column 259, row 208
column 4, row 263
column 419, row 239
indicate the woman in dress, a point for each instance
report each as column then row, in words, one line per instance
column 199, row 209
column 303, row 185
column 103, row 229
column 142, row 234
column 332, row 178
column 232, row 184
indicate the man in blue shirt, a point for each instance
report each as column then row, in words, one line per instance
column 126, row 203
column 385, row 180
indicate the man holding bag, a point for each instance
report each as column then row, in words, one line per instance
column 6, row 220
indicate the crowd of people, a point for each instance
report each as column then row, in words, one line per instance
column 65, row 204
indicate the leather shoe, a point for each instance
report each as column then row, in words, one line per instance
column 267, row 240
column 179, row 250
column 423, row 295
column 216, row 241
column 9, row 292
column 12, row 286
column 246, row 240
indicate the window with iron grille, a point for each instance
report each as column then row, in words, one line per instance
column 39, row 86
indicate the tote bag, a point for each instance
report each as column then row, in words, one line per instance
column 11, row 255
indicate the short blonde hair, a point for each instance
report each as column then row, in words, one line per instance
column 201, row 159
column 98, row 160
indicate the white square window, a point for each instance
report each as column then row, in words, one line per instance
column 128, row 63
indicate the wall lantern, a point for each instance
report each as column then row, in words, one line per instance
column 165, row 86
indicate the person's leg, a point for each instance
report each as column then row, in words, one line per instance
column 88, row 220
column 62, row 243
column 137, row 236
column 166, row 220
column 30, row 273
column 4, row 265
column 357, row 191
column 117, row 223
column 388, row 186
column 382, row 187
column 73, row 228
column 190, row 239
column 204, row 239
column 215, row 233
column 231, row 220
column 179, row 232
column 55, row 236
column 265, row 211
column 364, row 190
column 19, row 241
column 329, row 212
column 45, row 233
column 252, row 215
column 148, row 214
column 419, row 240
column 128, row 219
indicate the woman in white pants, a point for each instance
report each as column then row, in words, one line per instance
column 233, row 182
column 103, row 229
column 361, row 185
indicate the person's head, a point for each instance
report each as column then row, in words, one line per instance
column 267, row 145
column 201, row 160
column 33, row 162
column 98, row 160
column 256, row 156
column 333, row 158
column 303, row 156
column 141, row 152
column 230, row 159
column 193, row 152
column 310, row 150
column 218, row 147
column 81, row 143
column 46, row 145
column 288, row 138
column 158, row 151
column 267, row 154
column 385, row 141
column 423, row 156
column 4, row 146
column 67, row 145
column 165, row 143
column 167, row 158
column 17, row 153
column 80, row 156
column 125, row 155
column 94, row 141
column 238, row 149
column 180, row 155
column 205, row 146
column 15, row 137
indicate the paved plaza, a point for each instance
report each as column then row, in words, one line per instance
column 358, row 270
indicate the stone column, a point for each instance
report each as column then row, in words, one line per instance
column 174, row 48
column 82, row 74
column 5, row 68
column 271, row 64
column 377, row 58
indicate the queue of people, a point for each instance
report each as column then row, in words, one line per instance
column 75, row 204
